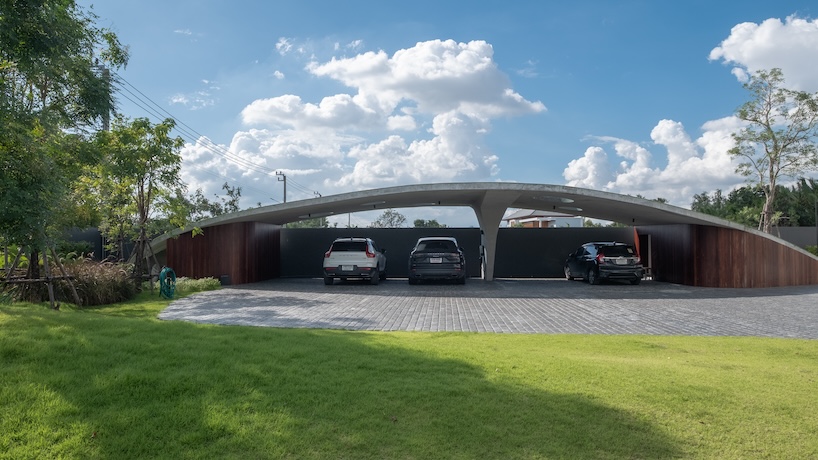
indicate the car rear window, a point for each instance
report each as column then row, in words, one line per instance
column 437, row 246
column 617, row 251
column 358, row 246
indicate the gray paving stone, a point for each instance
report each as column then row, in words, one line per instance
column 528, row 306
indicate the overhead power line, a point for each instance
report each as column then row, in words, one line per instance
column 145, row 103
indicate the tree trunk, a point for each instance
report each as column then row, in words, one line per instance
column 767, row 214
column 32, row 292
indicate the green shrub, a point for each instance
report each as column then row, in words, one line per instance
column 74, row 249
column 812, row 250
column 186, row 285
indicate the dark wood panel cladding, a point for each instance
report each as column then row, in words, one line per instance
column 670, row 252
column 699, row 255
column 245, row 252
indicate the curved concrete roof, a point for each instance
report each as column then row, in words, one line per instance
column 489, row 200
column 569, row 200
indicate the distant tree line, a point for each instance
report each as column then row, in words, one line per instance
column 794, row 205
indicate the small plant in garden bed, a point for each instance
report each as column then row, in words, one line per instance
column 185, row 285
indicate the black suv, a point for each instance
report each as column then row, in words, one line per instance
column 437, row 258
column 599, row 261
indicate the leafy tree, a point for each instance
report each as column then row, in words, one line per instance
column 743, row 205
column 202, row 208
column 389, row 219
column 778, row 138
column 803, row 201
column 714, row 205
column 432, row 223
column 318, row 222
column 51, row 92
column 139, row 175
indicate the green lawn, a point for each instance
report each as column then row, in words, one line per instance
column 115, row 382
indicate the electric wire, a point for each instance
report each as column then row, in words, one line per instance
column 194, row 136
column 207, row 171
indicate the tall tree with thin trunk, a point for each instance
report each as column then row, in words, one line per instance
column 140, row 173
column 52, row 92
column 778, row 138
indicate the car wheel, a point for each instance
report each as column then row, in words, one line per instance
column 375, row 279
column 636, row 281
column 568, row 274
column 593, row 277
column 383, row 275
column 327, row 280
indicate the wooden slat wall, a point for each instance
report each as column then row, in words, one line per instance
column 698, row 255
column 692, row 255
column 246, row 252
column 671, row 252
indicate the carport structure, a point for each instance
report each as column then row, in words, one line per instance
column 684, row 246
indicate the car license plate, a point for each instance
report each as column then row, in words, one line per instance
column 435, row 260
column 621, row 261
column 346, row 268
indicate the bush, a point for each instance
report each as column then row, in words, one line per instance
column 186, row 285
column 98, row 283
column 812, row 250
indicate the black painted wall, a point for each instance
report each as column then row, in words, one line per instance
column 302, row 249
column 541, row 253
column 521, row 252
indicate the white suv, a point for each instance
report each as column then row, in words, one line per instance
column 354, row 257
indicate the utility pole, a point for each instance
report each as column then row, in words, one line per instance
column 283, row 178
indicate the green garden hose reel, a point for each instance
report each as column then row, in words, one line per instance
column 167, row 282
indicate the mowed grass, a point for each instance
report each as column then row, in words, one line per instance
column 115, row 382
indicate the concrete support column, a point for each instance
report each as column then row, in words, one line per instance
column 490, row 210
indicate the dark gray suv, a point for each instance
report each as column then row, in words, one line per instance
column 599, row 261
column 437, row 258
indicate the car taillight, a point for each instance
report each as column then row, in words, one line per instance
column 369, row 253
column 327, row 254
column 600, row 258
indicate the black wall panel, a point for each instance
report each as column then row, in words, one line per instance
column 302, row 249
column 521, row 252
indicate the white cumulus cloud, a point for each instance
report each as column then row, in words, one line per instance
column 693, row 166
column 676, row 166
column 418, row 115
column 791, row 45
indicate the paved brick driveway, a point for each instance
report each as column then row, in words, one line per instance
column 551, row 306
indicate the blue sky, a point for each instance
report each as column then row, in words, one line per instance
column 632, row 97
